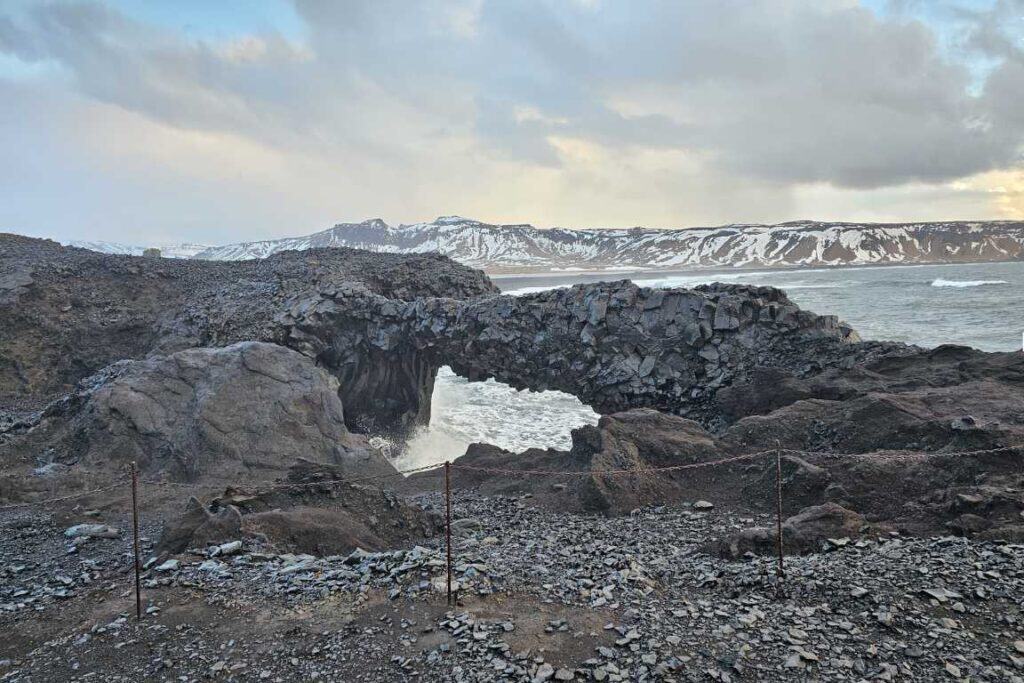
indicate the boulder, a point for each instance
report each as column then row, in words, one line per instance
column 927, row 418
column 633, row 441
column 309, row 511
column 91, row 531
column 812, row 529
column 200, row 526
column 639, row 440
column 231, row 413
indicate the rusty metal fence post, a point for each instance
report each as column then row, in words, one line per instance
column 780, row 571
column 135, row 541
column 448, row 524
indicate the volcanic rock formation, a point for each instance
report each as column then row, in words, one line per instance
column 614, row 345
column 889, row 445
column 383, row 325
column 69, row 312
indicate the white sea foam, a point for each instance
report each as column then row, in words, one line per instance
column 692, row 280
column 817, row 285
column 939, row 282
column 533, row 290
column 656, row 283
column 464, row 412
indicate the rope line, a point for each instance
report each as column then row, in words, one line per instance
column 603, row 473
column 376, row 477
column 927, row 454
column 274, row 484
column 72, row 496
column 648, row 471
column 723, row 461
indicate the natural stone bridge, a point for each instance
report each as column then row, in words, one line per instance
column 614, row 345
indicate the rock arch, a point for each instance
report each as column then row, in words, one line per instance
column 614, row 345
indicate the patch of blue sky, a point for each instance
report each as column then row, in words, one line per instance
column 950, row 21
column 219, row 20
column 207, row 20
column 14, row 69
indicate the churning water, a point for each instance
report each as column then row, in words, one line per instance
column 980, row 305
column 463, row 412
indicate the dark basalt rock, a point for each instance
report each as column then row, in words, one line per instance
column 67, row 312
column 614, row 345
column 916, row 491
column 200, row 526
column 383, row 324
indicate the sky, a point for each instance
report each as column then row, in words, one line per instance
column 151, row 122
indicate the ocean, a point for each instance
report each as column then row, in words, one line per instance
column 979, row 305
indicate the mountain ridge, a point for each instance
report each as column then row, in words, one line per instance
column 524, row 247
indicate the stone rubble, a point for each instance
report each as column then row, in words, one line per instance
column 633, row 598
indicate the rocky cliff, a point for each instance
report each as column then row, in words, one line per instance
column 614, row 345
column 205, row 414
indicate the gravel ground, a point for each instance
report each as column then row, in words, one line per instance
column 542, row 596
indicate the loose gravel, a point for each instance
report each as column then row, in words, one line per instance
column 542, row 596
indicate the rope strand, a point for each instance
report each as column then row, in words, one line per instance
column 72, row 496
column 647, row 471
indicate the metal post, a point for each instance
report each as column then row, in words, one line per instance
column 135, row 540
column 448, row 524
column 781, row 571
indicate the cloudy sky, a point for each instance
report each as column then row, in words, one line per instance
column 146, row 121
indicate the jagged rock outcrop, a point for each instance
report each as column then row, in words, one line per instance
column 245, row 410
column 637, row 440
column 812, row 529
column 68, row 312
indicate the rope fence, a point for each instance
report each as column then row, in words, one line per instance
column 73, row 496
column 131, row 476
column 616, row 472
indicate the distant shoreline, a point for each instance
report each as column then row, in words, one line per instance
column 623, row 270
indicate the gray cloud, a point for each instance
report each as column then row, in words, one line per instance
column 771, row 93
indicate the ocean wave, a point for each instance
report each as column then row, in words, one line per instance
column 939, row 282
column 465, row 412
column 806, row 285
column 521, row 291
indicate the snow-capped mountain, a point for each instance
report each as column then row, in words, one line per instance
column 807, row 243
